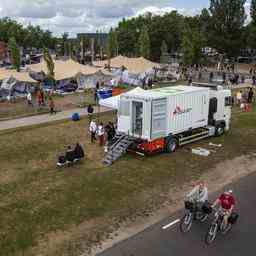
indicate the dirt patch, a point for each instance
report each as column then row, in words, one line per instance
column 224, row 173
column 71, row 241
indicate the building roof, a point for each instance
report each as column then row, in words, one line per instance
column 133, row 65
column 164, row 92
column 64, row 69
column 22, row 76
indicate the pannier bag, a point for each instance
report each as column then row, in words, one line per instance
column 233, row 218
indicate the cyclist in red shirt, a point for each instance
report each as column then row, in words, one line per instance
column 227, row 203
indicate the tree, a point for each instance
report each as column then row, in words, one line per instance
column 187, row 50
column 192, row 45
column 50, row 65
column 15, row 53
column 204, row 24
column 112, row 44
column 164, row 48
column 198, row 43
column 144, row 43
column 226, row 25
column 253, row 11
column 64, row 44
column 164, row 52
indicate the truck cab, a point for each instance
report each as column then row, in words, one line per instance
column 220, row 109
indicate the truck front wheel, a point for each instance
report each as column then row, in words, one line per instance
column 220, row 129
column 171, row 145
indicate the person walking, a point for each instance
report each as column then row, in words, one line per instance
column 52, row 106
column 90, row 111
column 250, row 95
column 100, row 133
column 29, row 98
column 93, row 129
column 239, row 98
column 96, row 98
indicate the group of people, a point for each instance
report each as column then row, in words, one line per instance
column 226, row 201
column 105, row 133
column 42, row 100
column 71, row 155
column 244, row 97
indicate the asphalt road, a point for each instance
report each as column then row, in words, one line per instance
column 241, row 241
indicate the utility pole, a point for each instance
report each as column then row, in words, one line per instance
column 82, row 50
column 92, row 49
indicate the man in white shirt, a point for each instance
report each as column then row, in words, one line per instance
column 199, row 194
column 100, row 133
column 29, row 98
column 93, row 129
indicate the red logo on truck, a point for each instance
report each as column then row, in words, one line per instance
column 180, row 111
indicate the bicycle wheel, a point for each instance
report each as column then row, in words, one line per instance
column 211, row 234
column 186, row 223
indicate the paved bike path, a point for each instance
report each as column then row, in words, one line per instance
column 155, row 241
column 45, row 118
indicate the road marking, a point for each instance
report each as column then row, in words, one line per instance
column 171, row 224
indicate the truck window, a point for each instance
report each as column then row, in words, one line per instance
column 213, row 105
column 228, row 101
column 124, row 108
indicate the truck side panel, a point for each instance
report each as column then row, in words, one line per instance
column 188, row 111
column 159, row 119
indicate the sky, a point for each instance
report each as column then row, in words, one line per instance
column 76, row 16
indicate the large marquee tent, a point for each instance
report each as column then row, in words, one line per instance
column 131, row 70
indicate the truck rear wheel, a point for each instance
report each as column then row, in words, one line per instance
column 171, row 145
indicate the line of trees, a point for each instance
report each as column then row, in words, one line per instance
column 27, row 37
column 222, row 26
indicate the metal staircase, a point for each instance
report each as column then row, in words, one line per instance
column 118, row 149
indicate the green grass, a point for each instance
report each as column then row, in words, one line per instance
column 20, row 108
column 37, row 199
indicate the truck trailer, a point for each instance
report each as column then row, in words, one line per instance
column 163, row 119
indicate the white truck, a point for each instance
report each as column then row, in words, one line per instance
column 166, row 118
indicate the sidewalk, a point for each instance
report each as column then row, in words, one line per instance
column 45, row 118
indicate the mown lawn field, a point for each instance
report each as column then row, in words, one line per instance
column 48, row 211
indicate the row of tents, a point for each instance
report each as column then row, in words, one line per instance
column 73, row 75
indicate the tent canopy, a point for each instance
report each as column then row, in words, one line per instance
column 22, row 76
column 133, row 65
column 64, row 69
column 113, row 102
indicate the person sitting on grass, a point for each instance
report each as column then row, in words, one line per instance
column 78, row 151
column 70, row 155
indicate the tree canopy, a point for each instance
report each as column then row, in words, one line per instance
column 27, row 37
column 222, row 27
column 226, row 25
column 15, row 53
column 144, row 43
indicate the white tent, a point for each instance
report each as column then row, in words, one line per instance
column 113, row 102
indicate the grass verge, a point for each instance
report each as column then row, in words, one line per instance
column 48, row 211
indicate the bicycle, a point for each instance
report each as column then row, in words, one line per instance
column 218, row 224
column 193, row 212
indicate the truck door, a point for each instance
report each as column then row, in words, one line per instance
column 213, row 106
column 159, row 121
column 124, row 118
column 137, row 118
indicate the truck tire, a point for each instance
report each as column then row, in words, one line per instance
column 171, row 145
column 220, row 129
